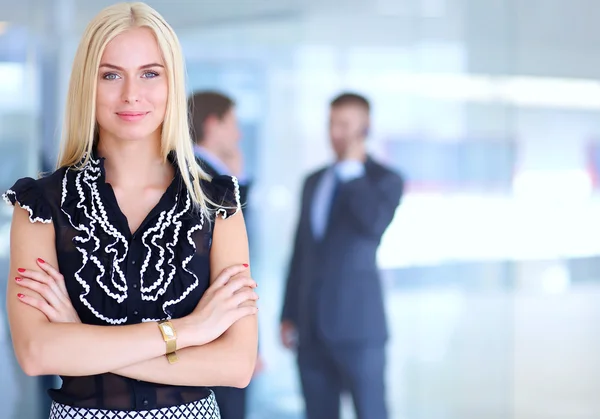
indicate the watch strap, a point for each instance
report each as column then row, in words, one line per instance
column 170, row 337
column 171, row 345
column 172, row 357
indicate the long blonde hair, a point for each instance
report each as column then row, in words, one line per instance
column 80, row 128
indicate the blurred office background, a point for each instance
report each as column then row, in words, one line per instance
column 490, row 108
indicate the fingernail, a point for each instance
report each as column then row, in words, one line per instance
column 21, row 270
column 20, row 295
column 18, row 279
column 245, row 265
column 40, row 260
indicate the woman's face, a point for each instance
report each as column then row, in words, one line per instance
column 132, row 92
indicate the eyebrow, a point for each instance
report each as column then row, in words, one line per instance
column 145, row 66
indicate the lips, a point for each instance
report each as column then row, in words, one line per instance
column 132, row 115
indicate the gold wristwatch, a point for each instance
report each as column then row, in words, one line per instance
column 170, row 337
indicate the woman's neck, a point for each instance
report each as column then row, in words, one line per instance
column 134, row 164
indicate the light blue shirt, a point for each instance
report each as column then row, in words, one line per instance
column 211, row 158
column 345, row 171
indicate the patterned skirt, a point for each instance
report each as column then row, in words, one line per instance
column 202, row 409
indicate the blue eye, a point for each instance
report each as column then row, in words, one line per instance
column 110, row 76
column 114, row 76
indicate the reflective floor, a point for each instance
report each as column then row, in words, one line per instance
column 496, row 348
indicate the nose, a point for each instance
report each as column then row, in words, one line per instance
column 131, row 91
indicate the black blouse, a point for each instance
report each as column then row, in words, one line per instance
column 116, row 277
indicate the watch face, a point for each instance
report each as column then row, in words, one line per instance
column 168, row 330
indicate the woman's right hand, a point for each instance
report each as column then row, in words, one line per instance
column 227, row 300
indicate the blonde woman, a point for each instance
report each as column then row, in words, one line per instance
column 128, row 264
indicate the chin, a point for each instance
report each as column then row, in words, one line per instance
column 137, row 131
column 130, row 130
column 134, row 134
column 338, row 153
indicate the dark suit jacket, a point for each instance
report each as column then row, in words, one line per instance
column 333, row 287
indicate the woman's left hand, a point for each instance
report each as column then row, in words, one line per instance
column 50, row 285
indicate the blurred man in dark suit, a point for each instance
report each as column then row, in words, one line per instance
column 217, row 137
column 333, row 311
column 215, row 130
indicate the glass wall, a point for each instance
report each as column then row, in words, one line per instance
column 489, row 108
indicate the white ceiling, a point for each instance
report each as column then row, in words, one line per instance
column 555, row 37
column 554, row 22
column 179, row 13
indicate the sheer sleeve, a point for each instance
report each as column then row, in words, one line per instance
column 30, row 196
column 225, row 194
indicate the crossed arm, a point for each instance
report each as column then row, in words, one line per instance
column 43, row 347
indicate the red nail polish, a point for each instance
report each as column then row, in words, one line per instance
column 20, row 295
column 18, row 279
column 40, row 260
column 21, row 270
column 245, row 265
